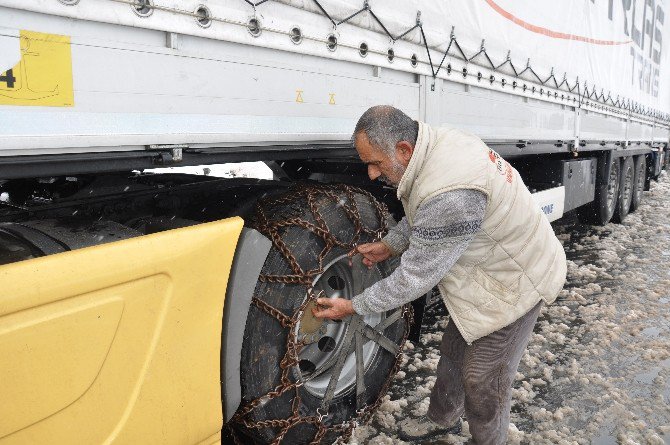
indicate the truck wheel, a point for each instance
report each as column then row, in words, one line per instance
column 601, row 210
column 305, row 380
column 638, row 186
column 626, row 185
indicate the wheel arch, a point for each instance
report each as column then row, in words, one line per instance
column 250, row 254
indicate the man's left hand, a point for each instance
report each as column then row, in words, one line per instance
column 333, row 308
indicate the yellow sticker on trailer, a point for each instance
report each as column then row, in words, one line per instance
column 43, row 77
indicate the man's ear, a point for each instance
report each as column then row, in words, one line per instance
column 404, row 152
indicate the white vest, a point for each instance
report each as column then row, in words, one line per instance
column 514, row 261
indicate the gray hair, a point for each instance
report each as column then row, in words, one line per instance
column 385, row 126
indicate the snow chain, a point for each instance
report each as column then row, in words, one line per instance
column 270, row 227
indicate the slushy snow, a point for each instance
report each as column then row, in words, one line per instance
column 597, row 369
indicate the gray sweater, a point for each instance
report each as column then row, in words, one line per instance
column 443, row 228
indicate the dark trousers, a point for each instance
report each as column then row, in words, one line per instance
column 477, row 379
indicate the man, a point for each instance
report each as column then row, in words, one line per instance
column 472, row 228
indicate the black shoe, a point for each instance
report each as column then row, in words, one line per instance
column 423, row 428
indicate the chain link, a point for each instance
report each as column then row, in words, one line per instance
column 344, row 196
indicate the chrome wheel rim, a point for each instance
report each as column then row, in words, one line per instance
column 318, row 358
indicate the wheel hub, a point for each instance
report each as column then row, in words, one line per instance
column 324, row 339
column 311, row 328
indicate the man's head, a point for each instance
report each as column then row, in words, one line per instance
column 384, row 139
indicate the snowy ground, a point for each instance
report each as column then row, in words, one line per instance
column 597, row 368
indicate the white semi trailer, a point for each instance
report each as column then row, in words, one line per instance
column 113, row 280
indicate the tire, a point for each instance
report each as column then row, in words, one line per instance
column 640, row 178
column 626, row 184
column 601, row 210
column 265, row 340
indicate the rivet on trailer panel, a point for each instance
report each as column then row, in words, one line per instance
column 295, row 35
column 254, row 27
column 363, row 49
column 203, row 16
column 331, row 42
column 143, row 8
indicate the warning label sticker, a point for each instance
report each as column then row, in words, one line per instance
column 43, row 77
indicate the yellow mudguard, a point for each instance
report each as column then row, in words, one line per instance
column 117, row 343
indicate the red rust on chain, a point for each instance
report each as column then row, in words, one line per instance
column 314, row 195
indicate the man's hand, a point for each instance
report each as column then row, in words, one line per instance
column 372, row 253
column 333, row 308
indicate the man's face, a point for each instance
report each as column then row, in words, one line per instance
column 381, row 166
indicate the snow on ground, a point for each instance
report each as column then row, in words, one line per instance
column 597, row 369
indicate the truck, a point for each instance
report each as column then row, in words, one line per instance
column 143, row 303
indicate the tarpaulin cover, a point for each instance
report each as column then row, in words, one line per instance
column 617, row 46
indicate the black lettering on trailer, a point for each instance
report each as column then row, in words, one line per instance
column 8, row 78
